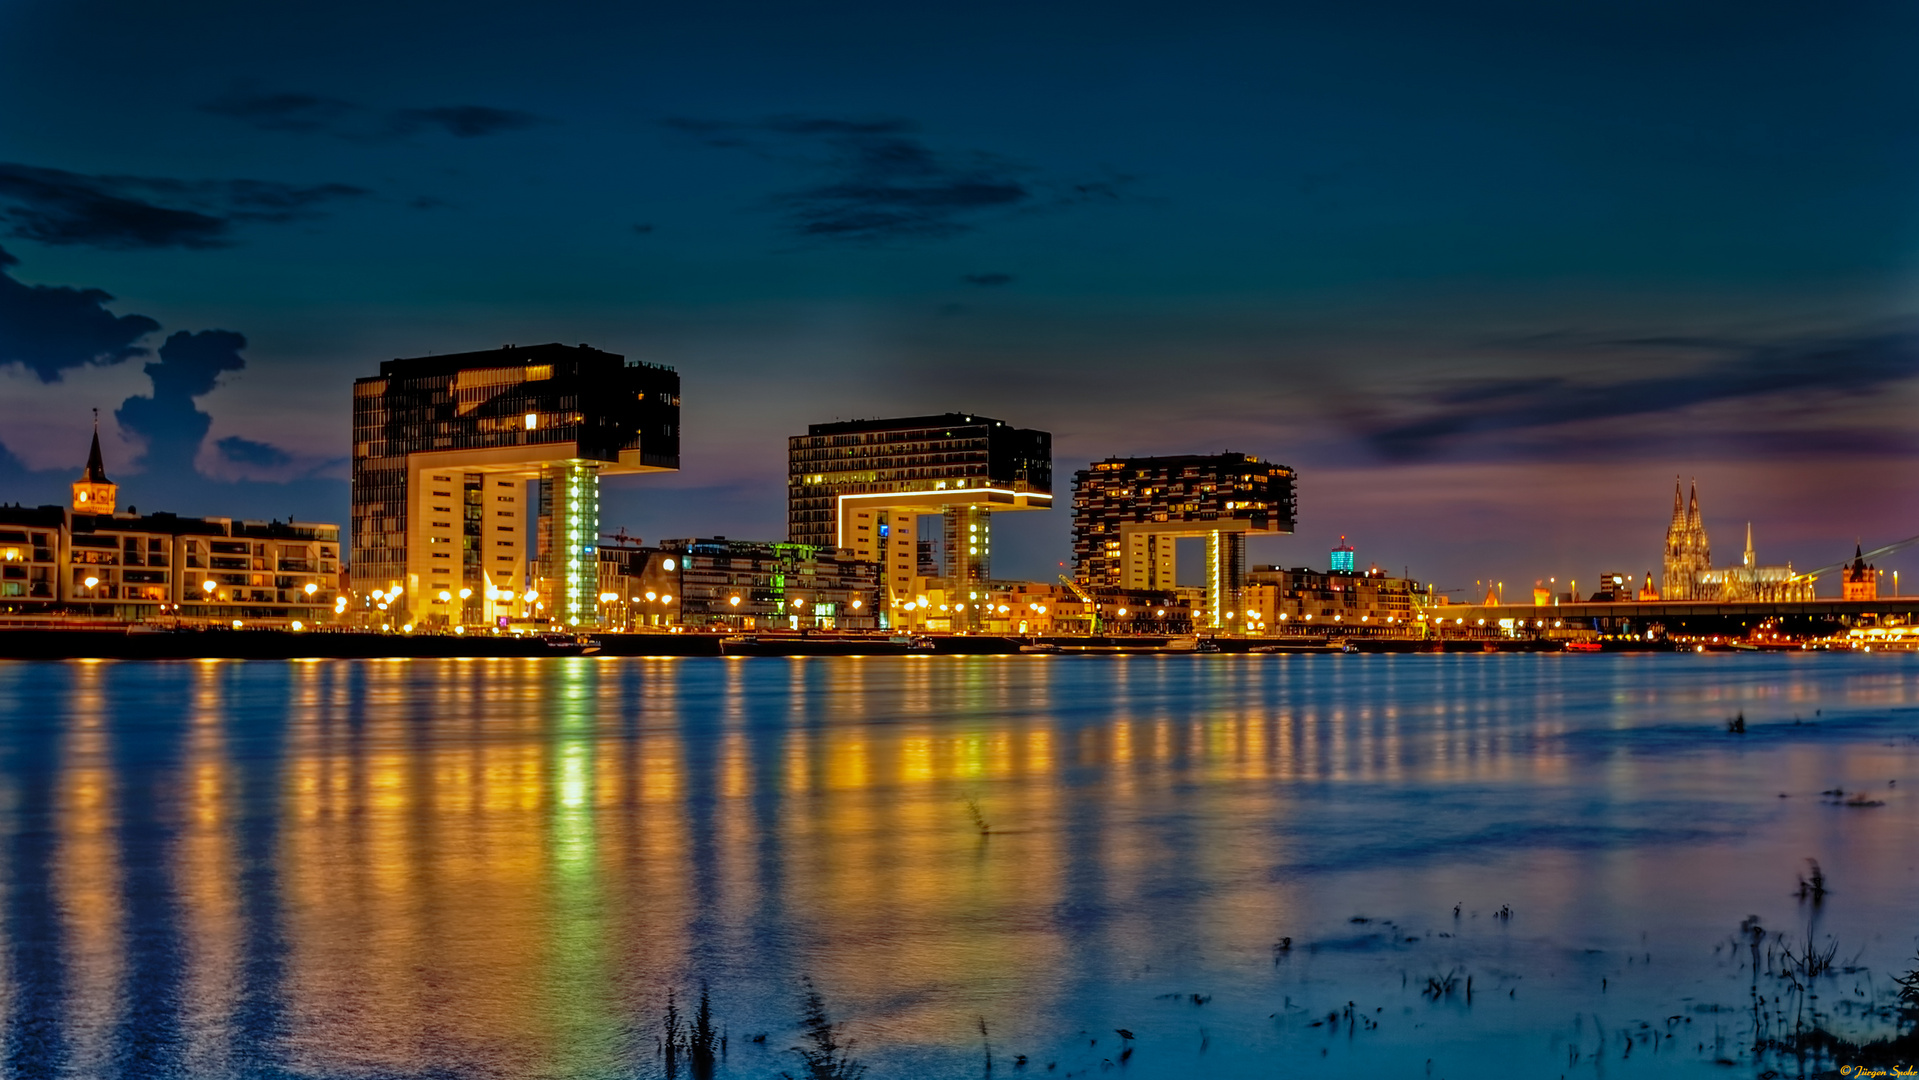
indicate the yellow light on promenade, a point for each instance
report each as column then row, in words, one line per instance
column 92, row 581
column 311, row 588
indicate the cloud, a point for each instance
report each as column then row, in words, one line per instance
column 173, row 426
column 313, row 114
column 1739, row 371
column 463, row 121
column 988, row 281
column 258, row 454
column 50, row 328
column 53, row 206
column 297, row 113
column 880, row 181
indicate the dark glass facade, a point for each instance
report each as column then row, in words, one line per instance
column 509, row 412
column 1184, row 495
column 916, row 454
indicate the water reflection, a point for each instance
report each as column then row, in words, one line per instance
column 499, row 867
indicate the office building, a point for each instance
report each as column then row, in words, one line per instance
column 719, row 584
column 1340, row 560
column 1301, row 600
column 863, row 485
column 476, row 478
column 1129, row 514
column 92, row 558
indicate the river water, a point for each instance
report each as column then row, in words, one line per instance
column 499, row 868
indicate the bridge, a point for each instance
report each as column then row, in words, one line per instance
column 1669, row 612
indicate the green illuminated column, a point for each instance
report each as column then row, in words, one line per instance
column 570, row 501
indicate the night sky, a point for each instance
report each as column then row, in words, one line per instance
column 1489, row 275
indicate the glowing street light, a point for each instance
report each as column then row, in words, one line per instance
column 91, row 581
column 311, row 588
column 733, row 600
column 464, row 593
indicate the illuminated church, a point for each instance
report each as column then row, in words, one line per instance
column 1687, row 553
column 1689, row 574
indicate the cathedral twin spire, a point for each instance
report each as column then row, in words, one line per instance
column 1688, row 552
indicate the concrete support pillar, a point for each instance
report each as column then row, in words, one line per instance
column 969, row 559
column 570, row 531
column 1225, row 574
column 899, row 561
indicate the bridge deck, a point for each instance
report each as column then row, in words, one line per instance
column 1905, row 606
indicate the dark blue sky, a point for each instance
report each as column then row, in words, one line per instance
column 1488, row 274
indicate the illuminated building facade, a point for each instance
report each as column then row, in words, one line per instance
column 1688, row 554
column 476, row 478
column 1302, row 600
column 1751, row 582
column 863, row 485
column 90, row 557
column 1129, row 513
column 726, row 584
column 1340, row 560
column 1859, row 581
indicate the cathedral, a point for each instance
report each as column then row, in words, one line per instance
column 1687, row 553
column 1689, row 573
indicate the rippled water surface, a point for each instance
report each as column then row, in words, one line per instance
column 498, row 868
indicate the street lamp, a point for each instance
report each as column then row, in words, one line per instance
column 311, row 588
column 91, row 581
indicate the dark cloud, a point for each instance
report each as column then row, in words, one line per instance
column 53, row 206
column 1739, row 371
column 313, row 114
column 643, row 229
column 988, row 281
column 298, row 113
column 463, row 121
column 169, row 421
column 882, row 182
column 50, row 328
column 247, row 452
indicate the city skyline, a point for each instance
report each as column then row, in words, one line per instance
column 1486, row 280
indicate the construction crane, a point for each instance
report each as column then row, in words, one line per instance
column 621, row 537
column 1843, row 563
column 1084, row 598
